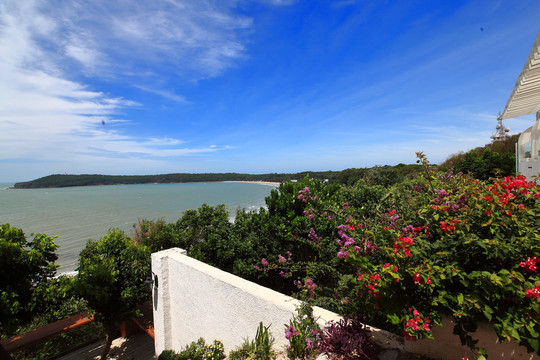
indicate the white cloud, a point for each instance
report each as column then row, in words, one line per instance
column 48, row 114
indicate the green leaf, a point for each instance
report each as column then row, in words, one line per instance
column 460, row 299
column 488, row 312
column 534, row 343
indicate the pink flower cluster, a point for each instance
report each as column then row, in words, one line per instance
column 290, row 331
column 305, row 195
column 313, row 236
column 311, row 286
column 309, row 213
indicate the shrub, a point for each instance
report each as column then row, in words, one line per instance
column 111, row 277
column 25, row 267
column 467, row 248
column 347, row 339
column 196, row 351
column 258, row 349
column 303, row 334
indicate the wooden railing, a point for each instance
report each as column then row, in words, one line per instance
column 42, row 334
column 36, row 336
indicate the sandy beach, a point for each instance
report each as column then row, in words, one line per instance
column 256, row 182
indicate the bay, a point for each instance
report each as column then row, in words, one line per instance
column 77, row 214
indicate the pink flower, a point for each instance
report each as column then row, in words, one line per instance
column 264, row 262
column 281, row 259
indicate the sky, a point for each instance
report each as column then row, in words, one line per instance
column 252, row 86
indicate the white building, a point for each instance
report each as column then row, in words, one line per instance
column 524, row 100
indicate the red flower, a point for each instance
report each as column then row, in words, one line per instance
column 533, row 293
column 530, row 264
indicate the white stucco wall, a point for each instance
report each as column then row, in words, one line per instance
column 530, row 139
column 196, row 300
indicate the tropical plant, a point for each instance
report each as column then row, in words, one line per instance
column 258, row 349
column 25, row 266
column 111, row 277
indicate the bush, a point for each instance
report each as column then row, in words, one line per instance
column 196, row 351
column 260, row 348
column 303, row 334
column 468, row 249
column 347, row 339
column 25, row 267
column 111, row 277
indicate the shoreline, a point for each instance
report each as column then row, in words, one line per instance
column 270, row 183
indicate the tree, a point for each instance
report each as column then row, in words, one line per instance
column 24, row 265
column 111, row 279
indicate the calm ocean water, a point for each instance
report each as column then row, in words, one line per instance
column 80, row 213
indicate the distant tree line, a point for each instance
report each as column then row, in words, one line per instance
column 379, row 175
column 484, row 162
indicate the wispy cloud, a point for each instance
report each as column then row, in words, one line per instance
column 48, row 50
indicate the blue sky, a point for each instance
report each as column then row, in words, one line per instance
column 162, row 86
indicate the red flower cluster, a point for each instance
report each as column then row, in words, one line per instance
column 508, row 185
column 533, row 293
column 416, row 323
column 418, row 279
column 530, row 264
column 375, row 282
column 403, row 243
column 449, row 227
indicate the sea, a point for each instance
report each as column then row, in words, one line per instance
column 77, row 214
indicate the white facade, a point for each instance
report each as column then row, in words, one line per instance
column 528, row 152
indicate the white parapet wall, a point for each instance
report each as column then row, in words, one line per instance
column 193, row 300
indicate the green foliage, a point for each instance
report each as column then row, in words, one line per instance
column 196, row 351
column 156, row 235
column 25, row 266
column 493, row 160
column 303, row 334
column 463, row 248
column 60, row 344
column 111, row 277
column 258, row 349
